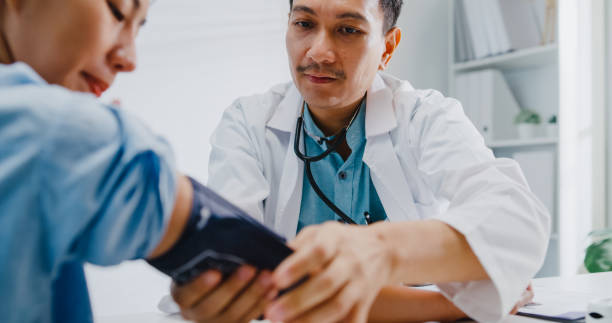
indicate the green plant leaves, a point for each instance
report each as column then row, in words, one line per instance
column 527, row 116
column 598, row 256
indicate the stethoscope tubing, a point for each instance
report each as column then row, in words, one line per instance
column 339, row 138
column 322, row 196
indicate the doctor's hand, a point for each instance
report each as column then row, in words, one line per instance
column 526, row 298
column 242, row 297
column 346, row 268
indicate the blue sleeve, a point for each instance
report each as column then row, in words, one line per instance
column 107, row 184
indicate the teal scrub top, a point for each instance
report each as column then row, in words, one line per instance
column 347, row 183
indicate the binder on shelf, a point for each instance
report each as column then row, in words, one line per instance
column 492, row 27
column 501, row 32
column 489, row 103
column 463, row 38
column 521, row 23
column 460, row 44
column 496, row 36
column 474, row 14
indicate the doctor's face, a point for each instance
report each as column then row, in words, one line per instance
column 335, row 48
column 79, row 44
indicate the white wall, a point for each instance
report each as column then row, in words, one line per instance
column 196, row 57
column 422, row 57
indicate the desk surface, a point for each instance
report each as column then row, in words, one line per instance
column 599, row 285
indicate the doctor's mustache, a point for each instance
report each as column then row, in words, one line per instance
column 314, row 67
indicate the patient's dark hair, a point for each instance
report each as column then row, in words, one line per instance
column 391, row 9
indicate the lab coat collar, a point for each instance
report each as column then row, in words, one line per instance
column 288, row 110
column 380, row 115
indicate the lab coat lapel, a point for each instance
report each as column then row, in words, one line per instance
column 290, row 185
column 380, row 156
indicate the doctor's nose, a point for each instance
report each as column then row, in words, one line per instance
column 322, row 50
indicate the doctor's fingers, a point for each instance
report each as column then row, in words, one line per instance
column 213, row 304
column 330, row 284
column 305, row 237
column 342, row 307
column 251, row 303
column 186, row 296
column 315, row 232
column 306, row 259
column 526, row 298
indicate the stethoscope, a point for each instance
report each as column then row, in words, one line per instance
column 333, row 145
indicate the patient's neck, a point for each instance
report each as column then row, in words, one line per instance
column 5, row 52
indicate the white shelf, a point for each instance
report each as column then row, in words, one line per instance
column 517, row 143
column 536, row 56
column 532, row 75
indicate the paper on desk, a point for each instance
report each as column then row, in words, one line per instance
column 558, row 304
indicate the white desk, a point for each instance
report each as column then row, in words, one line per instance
column 599, row 285
column 595, row 285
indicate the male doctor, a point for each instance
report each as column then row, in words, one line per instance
column 440, row 207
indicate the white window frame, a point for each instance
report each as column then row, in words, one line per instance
column 582, row 152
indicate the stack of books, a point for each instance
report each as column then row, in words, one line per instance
column 492, row 27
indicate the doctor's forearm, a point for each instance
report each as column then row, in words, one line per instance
column 428, row 252
column 404, row 304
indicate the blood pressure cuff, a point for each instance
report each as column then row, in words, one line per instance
column 220, row 236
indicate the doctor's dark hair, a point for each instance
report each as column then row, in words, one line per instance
column 391, row 9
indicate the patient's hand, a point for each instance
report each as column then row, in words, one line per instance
column 242, row 297
column 526, row 298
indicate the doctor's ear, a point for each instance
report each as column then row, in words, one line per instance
column 392, row 40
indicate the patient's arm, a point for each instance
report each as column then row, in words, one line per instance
column 404, row 304
column 180, row 214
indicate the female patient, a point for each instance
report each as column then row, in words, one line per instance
column 79, row 181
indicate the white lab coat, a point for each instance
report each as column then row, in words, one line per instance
column 426, row 160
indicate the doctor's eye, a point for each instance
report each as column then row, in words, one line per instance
column 350, row 31
column 303, row 24
column 115, row 11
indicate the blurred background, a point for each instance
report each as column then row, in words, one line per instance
column 533, row 76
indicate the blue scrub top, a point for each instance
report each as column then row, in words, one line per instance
column 79, row 182
column 347, row 183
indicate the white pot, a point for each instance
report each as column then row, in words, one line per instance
column 526, row 130
column 552, row 130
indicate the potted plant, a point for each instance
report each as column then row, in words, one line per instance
column 527, row 122
column 552, row 128
column 598, row 255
